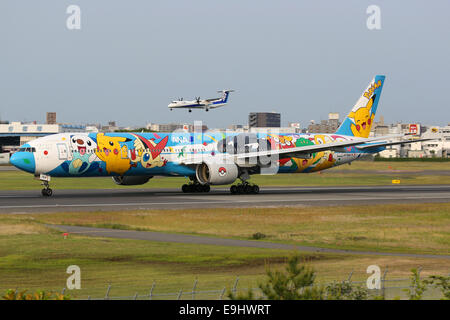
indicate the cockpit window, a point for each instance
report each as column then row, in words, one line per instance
column 29, row 149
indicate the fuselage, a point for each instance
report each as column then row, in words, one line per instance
column 165, row 154
column 214, row 103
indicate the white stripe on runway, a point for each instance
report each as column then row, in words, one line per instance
column 134, row 204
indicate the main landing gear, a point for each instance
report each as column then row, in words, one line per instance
column 195, row 187
column 46, row 191
column 244, row 188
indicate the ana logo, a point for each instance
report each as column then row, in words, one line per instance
column 222, row 171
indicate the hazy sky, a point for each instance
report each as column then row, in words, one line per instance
column 301, row 58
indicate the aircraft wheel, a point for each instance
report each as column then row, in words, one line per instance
column 47, row 192
column 206, row 188
column 248, row 189
column 190, row 110
column 185, row 188
column 240, row 189
column 255, row 189
column 233, row 189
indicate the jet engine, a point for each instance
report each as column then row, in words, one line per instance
column 131, row 180
column 216, row 173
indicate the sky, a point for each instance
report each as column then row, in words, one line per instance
column 303, row 59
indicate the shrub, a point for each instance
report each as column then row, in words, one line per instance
column 38, row 295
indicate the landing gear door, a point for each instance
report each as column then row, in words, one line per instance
column 63, row 153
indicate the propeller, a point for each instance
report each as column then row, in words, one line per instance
column 198, row 99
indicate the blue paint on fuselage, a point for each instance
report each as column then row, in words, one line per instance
column 179, row 145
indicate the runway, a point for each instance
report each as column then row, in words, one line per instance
column 133, row 199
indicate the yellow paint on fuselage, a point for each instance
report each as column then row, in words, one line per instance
column 114, row 156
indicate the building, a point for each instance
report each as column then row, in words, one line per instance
column 51, row 118
column 438, row 147
column 171, row 127
column 264, row 120
column 14, row 134
column 325, row 126
column 111, row 127
column 275, row 130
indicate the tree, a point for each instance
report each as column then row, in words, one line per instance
column 345, row 291
column 443, row 283
column 417, row 288
column 295, row 283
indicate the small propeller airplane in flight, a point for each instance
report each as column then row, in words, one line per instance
column 201, row 104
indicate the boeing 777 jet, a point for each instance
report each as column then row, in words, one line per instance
column 216, row 158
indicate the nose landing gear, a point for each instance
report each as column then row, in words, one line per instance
column 46, row 191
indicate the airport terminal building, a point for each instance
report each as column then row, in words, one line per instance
column 14, row 134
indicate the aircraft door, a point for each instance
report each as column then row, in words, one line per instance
column 62, row 151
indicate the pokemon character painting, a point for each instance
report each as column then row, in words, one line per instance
column 206, row 158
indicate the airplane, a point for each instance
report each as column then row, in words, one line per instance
column 215, row 158
column 201, row 104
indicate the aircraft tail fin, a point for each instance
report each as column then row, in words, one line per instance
column 360, row 120
column 225, row 94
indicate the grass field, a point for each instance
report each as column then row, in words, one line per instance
column 422, row 228
column 35, row 257
column 381, row 173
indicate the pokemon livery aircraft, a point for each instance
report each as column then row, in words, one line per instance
column 216, row 158
column 201, row 104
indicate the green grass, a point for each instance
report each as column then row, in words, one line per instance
column 422, row 228
column 36, row 257
column 39, row 261
column 382, row 174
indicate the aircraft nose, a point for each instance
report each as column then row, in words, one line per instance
column 24, row 161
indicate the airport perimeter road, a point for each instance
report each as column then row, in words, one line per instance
column 182, row 238
column 123, row 199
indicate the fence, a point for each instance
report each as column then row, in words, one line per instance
column 389, row 288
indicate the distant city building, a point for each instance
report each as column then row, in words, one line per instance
column 264, row 119
column 111, row 127
column 325, row 126
column 275, row 130
column 440, row 147
column 51, row 118
column 171, row 127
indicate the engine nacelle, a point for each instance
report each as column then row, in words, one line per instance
column 216, row 173
column 131, row 180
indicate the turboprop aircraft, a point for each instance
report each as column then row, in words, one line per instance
column 215, row 158
column 198, row 103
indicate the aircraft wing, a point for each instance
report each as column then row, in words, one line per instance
column 362, row 143
column 299, row 151
column 384, row 143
